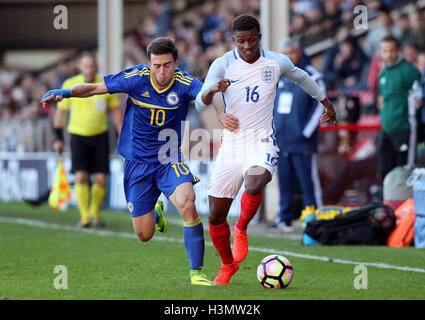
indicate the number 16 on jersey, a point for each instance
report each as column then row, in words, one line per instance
column 252, row 95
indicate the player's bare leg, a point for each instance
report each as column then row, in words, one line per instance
column 183, row 198
column 256, row 178
column 220, row 236
column 144, row 226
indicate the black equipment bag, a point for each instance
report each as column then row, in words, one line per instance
column 368, row 225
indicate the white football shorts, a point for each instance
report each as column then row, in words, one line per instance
column 233, row 161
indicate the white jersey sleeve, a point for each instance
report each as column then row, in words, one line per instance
column 215, row 74
column 299, row 76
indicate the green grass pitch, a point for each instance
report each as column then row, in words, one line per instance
column 114, row 264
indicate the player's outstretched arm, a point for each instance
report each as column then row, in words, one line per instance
column 310, row 86
column 79, row 91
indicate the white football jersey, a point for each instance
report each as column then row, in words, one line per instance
column 251, row 94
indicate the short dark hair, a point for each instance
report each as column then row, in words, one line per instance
column 88, row 54
column 162, row 45
column 391, row 38
column 384, row 9
column 245, row 22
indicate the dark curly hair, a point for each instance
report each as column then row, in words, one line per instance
column 245, row 22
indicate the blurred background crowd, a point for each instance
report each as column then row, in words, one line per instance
column 348, row 58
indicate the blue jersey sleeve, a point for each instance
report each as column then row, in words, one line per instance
column 194, row 89
column 124, row 81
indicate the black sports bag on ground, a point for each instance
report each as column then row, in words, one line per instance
column 368, row 225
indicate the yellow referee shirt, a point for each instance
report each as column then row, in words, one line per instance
column 88, row 116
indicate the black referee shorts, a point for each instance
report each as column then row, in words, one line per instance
column 90, row 153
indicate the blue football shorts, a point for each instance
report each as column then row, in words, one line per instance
column 144, row 182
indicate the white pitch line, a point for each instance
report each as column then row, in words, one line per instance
column 55, row 226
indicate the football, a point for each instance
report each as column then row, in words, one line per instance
column 275, row 272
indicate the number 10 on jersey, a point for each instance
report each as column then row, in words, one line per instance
column 157, row 117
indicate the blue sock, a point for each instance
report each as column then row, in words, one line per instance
column 194, row 243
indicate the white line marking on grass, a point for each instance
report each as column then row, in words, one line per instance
column 55, row 226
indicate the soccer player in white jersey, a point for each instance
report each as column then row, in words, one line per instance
column 246, row 79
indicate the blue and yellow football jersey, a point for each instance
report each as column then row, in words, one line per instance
column 153, row 118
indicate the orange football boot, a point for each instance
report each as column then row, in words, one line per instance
column 226, row 272
column 240, row 245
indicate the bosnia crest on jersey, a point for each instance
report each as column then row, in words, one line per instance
column 173, row 98
column 267, row 74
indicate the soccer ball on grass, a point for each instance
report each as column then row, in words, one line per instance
column 275, row 272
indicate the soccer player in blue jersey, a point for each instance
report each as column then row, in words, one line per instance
column 158, row 98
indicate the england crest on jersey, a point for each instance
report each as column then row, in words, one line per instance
column 268, row 74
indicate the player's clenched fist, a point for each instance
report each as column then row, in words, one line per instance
column 222, row 85
column 56, row 94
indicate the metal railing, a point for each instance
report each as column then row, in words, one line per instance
column 36, row 135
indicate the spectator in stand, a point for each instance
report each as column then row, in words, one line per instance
column 228, row 15
column 33, row 108
column 418, row 29
column 163, row 16
column 145, row 32
column 315, row 17
column 247, row 7
column 330, row 75
column 348, row 11
column 212, row 21
column 351, row 4
column 27, row 84
column 410, row 53
column 373, row 7
column 303, row 6
column 403, row 24
column 255, row 7
column 299, row 27
column 384, row 28
column 349, row 63
column 63, row 72
column 332, row 15
column 394, row 83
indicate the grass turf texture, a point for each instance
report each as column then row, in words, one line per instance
column 113, row 266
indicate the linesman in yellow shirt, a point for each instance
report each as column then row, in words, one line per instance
column 89, row 139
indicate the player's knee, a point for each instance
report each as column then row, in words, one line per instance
column 256, row 179
column 254, row 188
column 215, row 218
column 186, row 204
column 143, row 236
